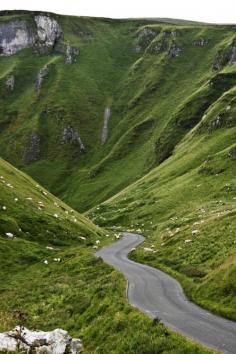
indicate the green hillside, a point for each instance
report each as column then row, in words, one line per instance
column 132, row 122
column 155, row 77
column 50, row 278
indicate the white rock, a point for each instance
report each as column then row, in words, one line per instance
column 187, row 241
column 98, row 242
column 45, row 262
column 4, row 207
column 194, row 232
column 55, row 342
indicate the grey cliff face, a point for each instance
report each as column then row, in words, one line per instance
column 18, row 35
column 72, row 136
column 48, row 31
column 40, row 77
column 71, row 54
column 14, row 36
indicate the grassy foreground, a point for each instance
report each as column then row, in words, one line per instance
column 49, row 275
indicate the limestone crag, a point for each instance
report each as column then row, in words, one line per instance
column 48, row 31
column 40, row 77
column 14, row 36
column 70, row 54
column 72, row 136
column 19, row 34
column 225, row 56
column 23, row 340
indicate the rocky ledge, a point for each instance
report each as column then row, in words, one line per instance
column 21, row 339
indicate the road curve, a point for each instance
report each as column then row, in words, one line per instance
column 158, row 295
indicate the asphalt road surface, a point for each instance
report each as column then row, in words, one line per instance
column 158, row 295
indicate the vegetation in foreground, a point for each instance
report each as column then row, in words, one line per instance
column 50, row 277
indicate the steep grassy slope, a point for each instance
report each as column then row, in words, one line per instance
column 50, row 278
column 151, row 75
column 187, row 209
column 167, row 170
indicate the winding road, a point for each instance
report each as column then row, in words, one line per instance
column 158, row 295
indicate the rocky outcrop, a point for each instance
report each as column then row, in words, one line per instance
column 19, row 34
column 72, row 136
column 48, row 31
column 145, row 36
column 106, row 117
column 10, row 82
column 32, row 150
column 225, row 56
column 201, row 42
column 14, row 36
column 174, row 50
column 232, row 153
column 71, row 54
column 23, row 340
column 40, row 77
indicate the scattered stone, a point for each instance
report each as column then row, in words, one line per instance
column 10, row 83
column 22, row 339
column 72, row 136
column 232, row 153
column 40, row 77
column 201, row 42
column 174, row 51
column 71, row 54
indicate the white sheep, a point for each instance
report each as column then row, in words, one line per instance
column 9, row 234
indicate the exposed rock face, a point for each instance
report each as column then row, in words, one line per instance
column 23, row 340
column 71, row 54
column 174, row 51
column 106, row 117
column 201, row 42
column 17, row 35
column 225, row 56
column 10, row 82
column 40, row 77
column 32, row 150
column 232, row 153
column 72, row 136
column 48, row 31
column 14, row 36
column 145, row 36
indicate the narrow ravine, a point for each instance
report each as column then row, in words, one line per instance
column 159, row 295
